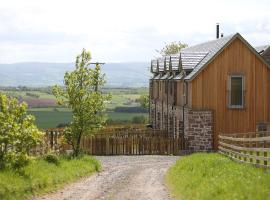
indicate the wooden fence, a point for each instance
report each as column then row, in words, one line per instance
column 252, row 148
column 120, row 142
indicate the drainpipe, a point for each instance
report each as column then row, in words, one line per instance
column 184, row 106
column 167, row 106
column 149, row 100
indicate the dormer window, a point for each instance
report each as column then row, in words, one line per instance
column 236, row 91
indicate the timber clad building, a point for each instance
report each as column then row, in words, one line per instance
column 221, row 86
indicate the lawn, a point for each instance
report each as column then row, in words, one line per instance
column 40, row 177
column 213, row 176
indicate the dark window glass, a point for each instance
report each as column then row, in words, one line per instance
column 236, row 91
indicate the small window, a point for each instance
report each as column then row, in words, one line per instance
column 236, row 91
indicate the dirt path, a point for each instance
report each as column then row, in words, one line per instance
column 122, row 178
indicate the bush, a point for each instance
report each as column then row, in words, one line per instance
column 51, row 158
column 139, row 119
column 130, row 109
column 18, row 134
column 32, row 95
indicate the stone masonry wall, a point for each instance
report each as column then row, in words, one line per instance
column 198, row 124
column 198, row 130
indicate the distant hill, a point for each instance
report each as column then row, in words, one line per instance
column 128, row 74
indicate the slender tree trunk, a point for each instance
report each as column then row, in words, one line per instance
column 77, row 147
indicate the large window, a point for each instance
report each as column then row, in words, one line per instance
column 236, row 91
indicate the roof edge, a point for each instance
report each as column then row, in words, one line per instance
column 239, row 36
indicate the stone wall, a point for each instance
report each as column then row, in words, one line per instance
column 198, row 130
column 197, row 124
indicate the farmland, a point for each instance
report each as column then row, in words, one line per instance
column 42, row 104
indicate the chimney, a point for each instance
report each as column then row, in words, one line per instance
column 217, row 30
column 221, row 35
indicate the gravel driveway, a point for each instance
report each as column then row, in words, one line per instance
column 122, row 177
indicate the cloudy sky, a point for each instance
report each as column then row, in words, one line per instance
column 121, row 30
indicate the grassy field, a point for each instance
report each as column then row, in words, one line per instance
column 213, row 176
column 42, row 104
column 49, row 118
column 40, row 177
column 120, row 96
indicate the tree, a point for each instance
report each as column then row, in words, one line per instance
column 144, row 101
column 171, row 48
column 81, row 94
column 18, row 134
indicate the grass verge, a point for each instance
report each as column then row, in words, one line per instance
column 213, row 176
column 40, row 177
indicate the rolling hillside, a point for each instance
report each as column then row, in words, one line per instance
column 130, row 74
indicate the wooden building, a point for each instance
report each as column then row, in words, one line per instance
column 221, row 86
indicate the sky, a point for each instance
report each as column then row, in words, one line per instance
column 121, row 30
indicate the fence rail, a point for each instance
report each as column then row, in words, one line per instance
column 252, row 148
column 119, row 142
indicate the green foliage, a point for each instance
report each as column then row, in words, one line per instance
column 139, row 119
column 144, row 101
column 213, row 176
column 40, row 177
column 51, row 158
column 82, row 95
column 171, row 48
column 130, row 109
column 18, row 134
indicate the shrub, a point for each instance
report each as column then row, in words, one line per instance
column 32, row 95
column 18, row 134
column 51, row 158
column 139, row 119
column 130, row 109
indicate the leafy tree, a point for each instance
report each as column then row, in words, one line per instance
column 171, row 48
column 18, row 134
column 144, row 101
column 82, row 95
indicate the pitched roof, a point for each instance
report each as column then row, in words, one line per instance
column 211, row 47
column 197, row 57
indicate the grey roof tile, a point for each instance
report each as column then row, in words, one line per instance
column 212, row 47
column 192, row 58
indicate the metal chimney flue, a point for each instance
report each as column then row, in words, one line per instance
column 217, row 30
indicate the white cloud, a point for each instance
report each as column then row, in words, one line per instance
column 120, row 30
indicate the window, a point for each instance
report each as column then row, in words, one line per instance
column 236, row 91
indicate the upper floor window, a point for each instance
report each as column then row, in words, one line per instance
column 236, row 91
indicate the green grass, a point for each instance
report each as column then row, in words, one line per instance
column 48, row 118
column 41, row 177
column 213, row 176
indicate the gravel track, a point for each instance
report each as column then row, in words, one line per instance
column 122, row 178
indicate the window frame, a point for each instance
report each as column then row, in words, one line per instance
column 230, row 90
